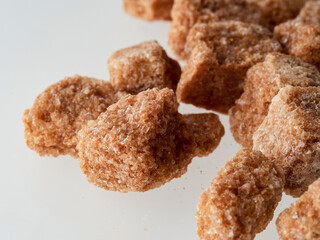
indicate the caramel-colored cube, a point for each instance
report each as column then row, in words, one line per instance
column 290, row 135
column 149, row 9
column 141, row 142
column 143, row 66
column 241, row 199
column 263, row 82
column 302, row 219
column 222, row 53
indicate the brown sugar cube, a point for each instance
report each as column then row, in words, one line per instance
column 186, row 13
column 263, row 82
column 143, row 66
column 142, row 142
column 290, row 135
column 222, row 53
column 301, row 37
column 241, row 199
column 149, row 9
column 302, row 219
column 310, row 13
column 58, row 113
column 301, row 40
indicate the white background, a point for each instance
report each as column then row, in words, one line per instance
column 41, row 42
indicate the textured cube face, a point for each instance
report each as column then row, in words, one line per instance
column 149, row 9
column 221, row 55
column 241, row 199
column 58, row 113
column 142, row 142
column 263, row 82
column 302, row 219
column 290, row 135
column 301, row 40
column 310, row 13
column 301, row 37
column 203, row 133
column 141, row 67
column 186, row 13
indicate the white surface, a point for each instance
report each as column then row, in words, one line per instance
column 41, row 42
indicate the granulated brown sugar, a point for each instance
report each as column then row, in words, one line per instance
column 302, row 220
column 149, row 9
column 241, row 199
column 204, row 132
column 142, row 142
column 58, row 113
column 290, row 134
column 141, row 67
column 263, row 82
column 222, row 53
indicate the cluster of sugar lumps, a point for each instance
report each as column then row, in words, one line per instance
column 278, row 111
column 127, row 133
column 262, row 83
column 58, row 113
column 277, row 116
column 129, row 136
column 222, row 39
column 221, row 54
column 258, row 61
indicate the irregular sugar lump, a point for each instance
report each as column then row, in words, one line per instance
column 142, row 142
column 222, row 53
column 58, row 113
column 241, row 199
column 143, row 66
column 290, row 134
column 262, row 84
